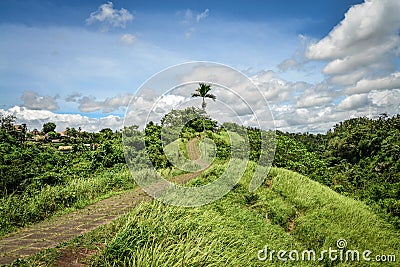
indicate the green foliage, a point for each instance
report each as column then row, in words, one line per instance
column 360, row 157
column 366, row 154
column 182, row 121
column 294, row 156
column 154, row 146
column 49, row 127
column 109, row 153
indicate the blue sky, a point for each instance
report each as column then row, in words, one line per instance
column 89, row 57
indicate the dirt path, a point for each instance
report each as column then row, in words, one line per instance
column 49, row 234
column 193, row 151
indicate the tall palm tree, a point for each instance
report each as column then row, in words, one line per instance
column 203, row 92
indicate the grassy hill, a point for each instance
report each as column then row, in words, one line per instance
column 288, row 212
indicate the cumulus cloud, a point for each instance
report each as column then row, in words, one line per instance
column 353, row 102
column 127, row 39
column 33, row 100
column 364, row 42
column 73, row 97
column 313, row 101
column 91, row 104
column 108, row 16
column 386, row 98
column 385, row 83
column 362, row 76
column 36, row 119
column 276, row 89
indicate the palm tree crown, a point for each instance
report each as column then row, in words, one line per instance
column 202, row 92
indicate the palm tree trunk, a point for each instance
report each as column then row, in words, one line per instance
column 204, row 128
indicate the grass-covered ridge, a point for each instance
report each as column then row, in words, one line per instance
column 289, row 212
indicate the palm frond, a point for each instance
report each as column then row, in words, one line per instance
column 196, row 95
column 203, row 89
column 213, row 97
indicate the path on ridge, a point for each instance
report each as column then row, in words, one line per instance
column 48, row 234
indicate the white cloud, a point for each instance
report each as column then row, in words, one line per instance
column 202, row 15
column 384, row 101
column 385, row 98
column 33, row 100
column 313, row 101
column 127, row 39
column 353, row 102
column 361, row 70
column 365, row 25
column 107, row 15
column 366, row 85
column 90, row 104
column 314, row 96
column 276, row 89
column 364, row 42
column 36, row 119
column 346, row 79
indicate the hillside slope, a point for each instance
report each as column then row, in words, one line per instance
column 289, row 212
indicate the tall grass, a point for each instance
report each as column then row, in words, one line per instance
column 317, row 216
column 160, row 235
column 289, row 211
column 37, row 204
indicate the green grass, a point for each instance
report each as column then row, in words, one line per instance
column 179, row 157
column 230, row 137
column 159, row 235
column 47, row 257
column 288, row 212
column 35, row 205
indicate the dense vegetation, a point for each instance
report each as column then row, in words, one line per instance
column 357, row 158
column 38, row 179
column 29, row 164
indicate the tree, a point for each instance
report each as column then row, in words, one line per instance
column 49, row 127
column 203, row 92
column 7, row 122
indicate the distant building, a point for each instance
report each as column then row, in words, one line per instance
column 65, row 148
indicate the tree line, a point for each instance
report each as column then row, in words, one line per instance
column 357, row 157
